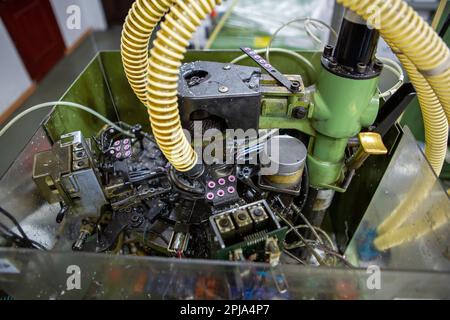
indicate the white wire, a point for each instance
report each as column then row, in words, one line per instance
column 64, row 104
column 390, row 65
column 306, row 21
column 397, row 70
column 317, row 25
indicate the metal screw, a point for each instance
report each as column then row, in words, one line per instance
column 295, row 85
column 299, row 113
column 332, row 62
column 328, row 51
column 251, row 85
column 361, row 67
column 378, row 66
column 258, row 212
column 224, row 223
column 242, row 216
column 223, row 89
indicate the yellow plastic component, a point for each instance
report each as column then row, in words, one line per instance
column 142, row 19
column 434, row 219
column 372, row 143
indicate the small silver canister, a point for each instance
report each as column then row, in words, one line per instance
column 283, row 161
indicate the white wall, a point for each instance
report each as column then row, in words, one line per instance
column 92, row 16
column 14, row 78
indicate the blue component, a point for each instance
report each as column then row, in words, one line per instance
column 366, row 249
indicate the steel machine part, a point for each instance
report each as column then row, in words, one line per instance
column 284, row 159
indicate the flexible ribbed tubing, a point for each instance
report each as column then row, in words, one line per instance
column 166, row 57
column 434, row 119
column 142, row 19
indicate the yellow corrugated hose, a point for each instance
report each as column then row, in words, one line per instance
column 166, row 57
column 434, row 119
column 155, row 80
column 142, row 19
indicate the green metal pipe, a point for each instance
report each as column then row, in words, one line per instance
column 341, row 108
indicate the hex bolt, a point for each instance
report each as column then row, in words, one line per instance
column 299, row 113
column 378, row 66
column 328, row 51
column 295, row 85
column 361, row 67
column 332, row 62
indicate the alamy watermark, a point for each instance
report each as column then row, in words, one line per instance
column 373, row 281
column 73, row 21
column 231, row 147
column 73, row 281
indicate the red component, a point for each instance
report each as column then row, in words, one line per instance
column 346, row 290
column 115, row 275
column 140, row 283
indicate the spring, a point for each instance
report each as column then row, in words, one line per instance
column 256, row 238
column 142, row 18
column 166, row 56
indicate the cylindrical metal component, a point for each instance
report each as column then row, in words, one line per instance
column 284, row 158
column 178, row 242
column 357, row 42
column 81, row 240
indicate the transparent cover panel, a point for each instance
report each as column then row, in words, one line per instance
column 408, row 217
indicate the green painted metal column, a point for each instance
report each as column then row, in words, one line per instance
column 341, row 108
